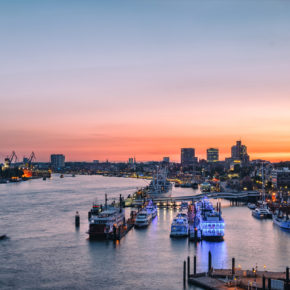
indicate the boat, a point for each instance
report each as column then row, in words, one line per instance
column 179, row 226
column 261, row 213
column 143, row 219
column 212, row 226
column 251, row 205
column 159, row 184
column 211, row 223
column 282, row 221
column 61, row 176
column 151, row 208
column 184, row 205
column 205, row 187
column 102, row 225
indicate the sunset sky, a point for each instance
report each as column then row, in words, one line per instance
column 117, row 79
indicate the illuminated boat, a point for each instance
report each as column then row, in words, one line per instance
column 212, row 226
column 179, row 226
column 151, row 208
column 143, row 219
column 102, row 224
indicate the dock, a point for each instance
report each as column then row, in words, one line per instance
column 235, row 278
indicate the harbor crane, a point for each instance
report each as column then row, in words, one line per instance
column 28, row 161
column 9, row 159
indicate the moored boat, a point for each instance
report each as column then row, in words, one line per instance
column 179, row 226
column 143, row 219
column 282, row 221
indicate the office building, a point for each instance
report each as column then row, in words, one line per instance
column 239, row 153
column 188, row 157
column 166, row 159
column 57, row 161
column 212, row 155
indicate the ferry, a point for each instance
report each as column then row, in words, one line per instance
column 151, row 208
column 159, row 184
column 282, row 221
column 102, row 225
column 179, row 226
column 143, row 219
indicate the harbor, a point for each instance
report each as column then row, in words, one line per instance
column 47, row 212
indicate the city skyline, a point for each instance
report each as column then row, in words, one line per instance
column 108, row 81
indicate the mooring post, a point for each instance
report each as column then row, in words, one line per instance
column 233, row 266
column 269, row 284
column 188, row 267
column 194, row 265
column 287, row 275
column 209, row 262
column 77, row 219
column 264, row 282
column 184, row 272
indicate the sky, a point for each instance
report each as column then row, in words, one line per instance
column 116, row 79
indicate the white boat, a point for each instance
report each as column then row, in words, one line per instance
column 251, row 205
column 151, row 208
column 143, row 219
column 159, row 184
column 179, row 226
column 261, row 213
column 282, row 221
column 212, row 226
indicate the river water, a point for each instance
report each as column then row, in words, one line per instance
column 45, row 251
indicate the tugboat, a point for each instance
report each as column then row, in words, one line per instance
column 103, row 224
column 159, row 184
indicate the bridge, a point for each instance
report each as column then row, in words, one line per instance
column 234, row 196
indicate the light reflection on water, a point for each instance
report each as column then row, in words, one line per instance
column 46, row 251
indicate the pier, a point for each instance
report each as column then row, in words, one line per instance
column 235, row 278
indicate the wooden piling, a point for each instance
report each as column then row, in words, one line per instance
column 233, row 266
column 209, row 261
column 77, row 219
column 188, row 267
column 264, row 282
column 287, row 275
column 269, row 284
column 184, row 272
column 194, row 265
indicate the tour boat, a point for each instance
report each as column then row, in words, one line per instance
column 205, row 187
column 143, row 219
column 212, row 226
column 102, row 225
column 151, row 208
column 179, row 226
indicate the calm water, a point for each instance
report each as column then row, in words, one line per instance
column 45, row 251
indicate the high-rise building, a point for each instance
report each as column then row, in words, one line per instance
column 239, row 152
column 57, row 161
column 188, row 157
column 212, row 155
column 131, row 160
